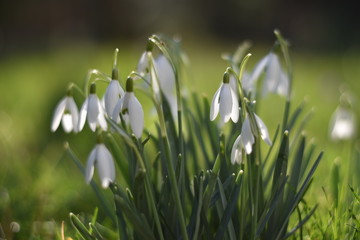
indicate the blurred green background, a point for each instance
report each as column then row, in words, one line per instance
column 45, row 45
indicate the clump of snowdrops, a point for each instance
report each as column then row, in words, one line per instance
column 201, row 168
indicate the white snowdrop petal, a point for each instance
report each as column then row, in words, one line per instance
column 101, row 118
column 236, row 152
column 226, row 103
column 93, row 109
column 273, row 74
column 71, row 106
column 283, row 85
column 92, row 126
column 166, row 79
column 343, row 124
column 59, row 111
column 112, row 95
column 247, row 136
column 235, row 107
column 117, row 109
column 214, row 109
column 154, row 82
column 136, row 115
column 67, row 123
column 89, row 170
column 258, row 70
column 105, row 164
column 143, row 63
column 83, row 114
column 233, row 83
column 125, row 100
column 263, row 130
column 165, row 74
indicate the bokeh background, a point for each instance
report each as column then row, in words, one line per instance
column 45, row 45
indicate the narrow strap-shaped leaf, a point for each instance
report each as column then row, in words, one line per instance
column 300, row 224
column 95, row 232
column 139, row 223
column 80, row 227
column 279, row 176
column 295, row 170
column 295, row 116
column 230, row 207
column 300, row 194
column 230, row 226
column 282, row 160
column 199, row 206
column 270, row 207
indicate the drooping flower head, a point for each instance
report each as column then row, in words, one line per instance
column 160, row 74
column 67, row 113
column 342, row 124
column 225, row 101
column 244, row 142
column 93, row 111
column 275, row 79
column 129, row 105
column 102, row 158
column 113, row 93
column 166, row 77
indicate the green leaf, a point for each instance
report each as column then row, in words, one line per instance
column 80, row 227
column 139, row 223
column 230, row 207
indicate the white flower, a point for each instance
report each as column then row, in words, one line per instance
column 275, row 80
column 130, row 106
column 162, row 78
column 342, row 124
column 104, row 163
column 246, row 139
column 225, row 101
column 93, row 111
column 143, row 64
column 264, row 134
column 67, row 113
column 166, row 77
column 113, row 93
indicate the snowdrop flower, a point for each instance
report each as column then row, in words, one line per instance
column 131, row 106
column 67, row 113
column 93, row 111
column 113, row 93
column 342, row 124
column 246, row 139
column 225, row 101
column 103, row 159
column 275, row 80
column 143, row 64
column 166, row 77
column 163, row 78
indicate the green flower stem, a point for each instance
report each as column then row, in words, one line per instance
column 240, row 89
column 142, row 164
column 258, row 182
column 169, row 162
column 76, row 87
column 150, row 191
column 251, row 197
column 285, row 51
column 175, row 189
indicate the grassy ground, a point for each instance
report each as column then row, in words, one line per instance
column 39, row 184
